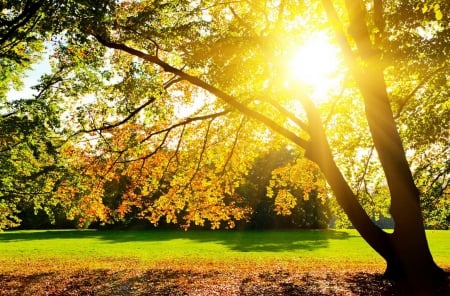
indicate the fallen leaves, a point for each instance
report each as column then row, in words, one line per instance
column 272, row 281
column 248, row 278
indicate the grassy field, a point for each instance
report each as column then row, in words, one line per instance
column 227, row 256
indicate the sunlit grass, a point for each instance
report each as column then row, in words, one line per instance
column 59, row 250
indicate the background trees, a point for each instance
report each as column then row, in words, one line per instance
column 291, row 204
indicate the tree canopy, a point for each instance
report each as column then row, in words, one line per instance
column 177, row 99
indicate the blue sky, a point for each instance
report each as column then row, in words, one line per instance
column 31, row 78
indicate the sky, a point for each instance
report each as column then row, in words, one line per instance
column 31, row 79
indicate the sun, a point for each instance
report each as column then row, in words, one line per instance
column 316, row 65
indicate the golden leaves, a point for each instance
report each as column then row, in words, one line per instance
column 159, row 174
column 434, row 7
column 284, row 202
column 300, row 176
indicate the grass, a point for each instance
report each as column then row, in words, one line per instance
column 151, row 248
column 235, row 253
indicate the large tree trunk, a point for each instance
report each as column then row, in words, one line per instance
column 413, row 258
column 406, row 251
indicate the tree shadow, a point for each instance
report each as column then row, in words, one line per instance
column 275, row 241
column 16, row 284
column 29, row 235
column 361, row 282
column 105, row 282
column 236, row 240
column 331, row 283
column 187, row 282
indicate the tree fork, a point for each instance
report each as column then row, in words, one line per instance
column 408, row 257
column 319, row 152
column 412, row 260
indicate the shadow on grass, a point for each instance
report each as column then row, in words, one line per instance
column 185, row 282
column 242, row 241
column 277, row 241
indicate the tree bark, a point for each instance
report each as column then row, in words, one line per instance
column 412, row 261
column 406, row 251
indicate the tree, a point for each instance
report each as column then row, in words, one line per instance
column 406, row 250
column 28, row 161
column 17, row 42
column 162, row 54
column 431, row 177
column 30, row 134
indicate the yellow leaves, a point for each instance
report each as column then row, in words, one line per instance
column 437, row 12
column 303, row 177
column 435, row 8
column 179, row 177
column 171, row 217
column 215, row 225
column 284, row 202
column 8, row 217
column 122, row 209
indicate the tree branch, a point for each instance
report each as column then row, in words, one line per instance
column 366, row 169
column 288, row 114
column 185, row 122
column 27, row 13
column 241, row 124
column 204, row 85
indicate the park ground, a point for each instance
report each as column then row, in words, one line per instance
column 196, row 263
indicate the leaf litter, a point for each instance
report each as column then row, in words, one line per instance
column 198, row 280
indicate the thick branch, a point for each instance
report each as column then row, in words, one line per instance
column 379, row 113
column 213, row 90
column 320, row 153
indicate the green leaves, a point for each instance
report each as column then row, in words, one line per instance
column 28, row 168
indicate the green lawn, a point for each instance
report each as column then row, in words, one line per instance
column 35, row 263
column 94, row 249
